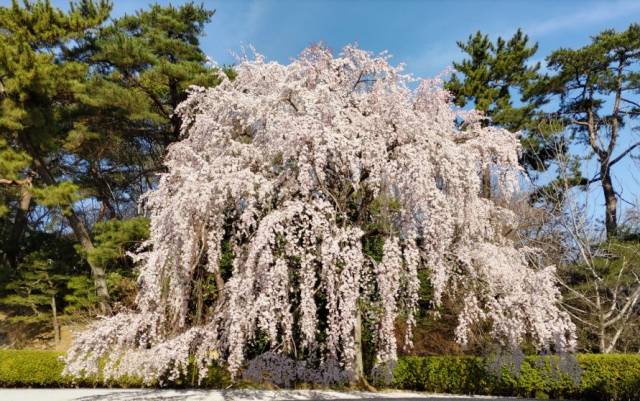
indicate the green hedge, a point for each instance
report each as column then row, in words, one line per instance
column 37, row 368
column 599, row 377
column 30, row 368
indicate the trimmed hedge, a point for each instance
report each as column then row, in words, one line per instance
column 31, row 368
column 600, row 377
column 38, row 368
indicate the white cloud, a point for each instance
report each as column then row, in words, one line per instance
column 592, row 14
column 234, row 26
column 436, row 59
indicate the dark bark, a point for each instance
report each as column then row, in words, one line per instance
column 82, row 234
column 611, row 204
column 486, row 183
column 360, row 380
column 19, row 222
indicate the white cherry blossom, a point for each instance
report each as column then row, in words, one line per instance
column 292, row 164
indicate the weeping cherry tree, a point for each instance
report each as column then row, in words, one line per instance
column 292, row 174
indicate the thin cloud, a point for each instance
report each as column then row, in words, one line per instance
column 235, row 25
column 593, row 15
column 433, row 61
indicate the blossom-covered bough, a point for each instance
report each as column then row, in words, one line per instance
column 298, row 171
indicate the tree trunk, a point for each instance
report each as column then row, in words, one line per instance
column 56, row 325
column 219, row 281
column 358, row 363
column 614, row 340
column 98, row 272
column 611, row 204
column 360, row 379
column 486, row 182
column 82, row 234
column 601, row 334
column 19, row 223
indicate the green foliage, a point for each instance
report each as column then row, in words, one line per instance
column 149, row 61
column 594, row 94
column 227, row 257
column 80, row 299
column 30, row 368
column 36, row 368
column 617, row 265
column 601, row 377
column 60, row 195
column 378, row 215
column 497, row 79
column 34, row 288
column 490, row 74
column 11, row 161
column 610, row 377
column 40, row 276
column 40, row 77
column 114, row 238
column 86, row 112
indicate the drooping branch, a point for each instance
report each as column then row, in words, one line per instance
column 291, row 209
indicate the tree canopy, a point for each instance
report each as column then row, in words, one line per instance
column 87, row 113
column 299, row 168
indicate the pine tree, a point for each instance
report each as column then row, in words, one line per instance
column 87, row 112
column 35, row 295
column 40, row 85
column 596, row 87
column 143, row 65
column 496, row 79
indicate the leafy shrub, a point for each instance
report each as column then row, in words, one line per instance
column 31, row 368
column 615, row 377
column 596, row 377
column 37, row 368
column 601, row 377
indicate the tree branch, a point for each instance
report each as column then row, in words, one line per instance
column 26, row 181
column 623, row 154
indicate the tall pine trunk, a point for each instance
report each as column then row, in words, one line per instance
column 97, row 271
column 611, row 203
column 82, row 234
column 19, row 222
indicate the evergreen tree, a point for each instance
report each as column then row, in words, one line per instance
column 596, row 87
column 40, row 86
column 142, row 66
column 496, row 78
column 87, row 112
column 34, row 298
column 35, row 289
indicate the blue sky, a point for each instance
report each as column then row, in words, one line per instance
column 422, row 34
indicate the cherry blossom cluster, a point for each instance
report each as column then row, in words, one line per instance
column 291, row 165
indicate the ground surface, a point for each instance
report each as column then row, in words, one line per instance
column 215, row 395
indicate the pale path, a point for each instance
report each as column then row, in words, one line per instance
column 230, row 395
